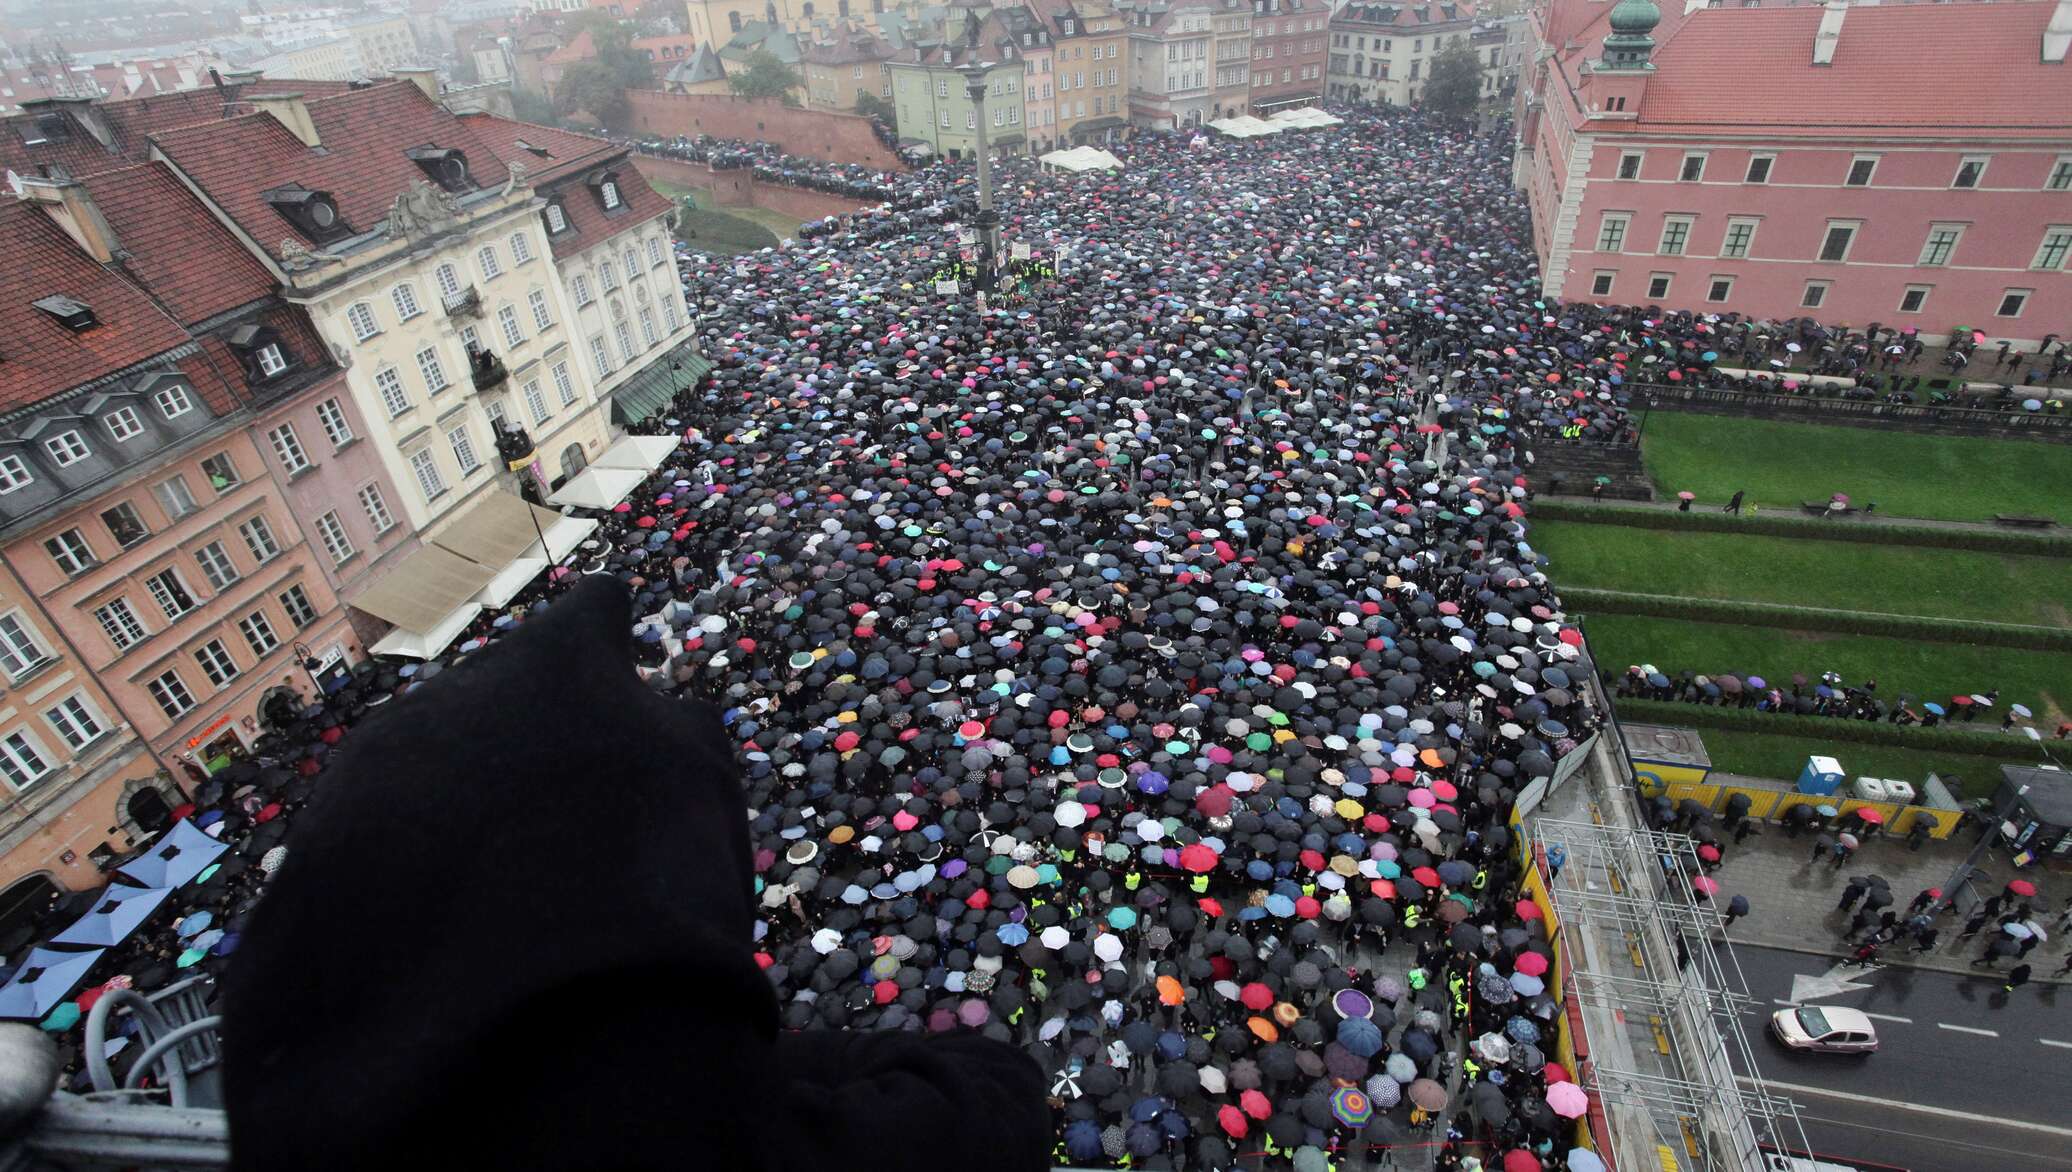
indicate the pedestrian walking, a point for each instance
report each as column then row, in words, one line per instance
column 1734, row 502
column 1927, row 896
column 2016, row 978
column 1924, row 940
column 1974, row 924
column 1865, row 954
column 1851, row 892
column 1857, row 923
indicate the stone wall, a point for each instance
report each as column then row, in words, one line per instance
column 739, row 187
column 813, row 134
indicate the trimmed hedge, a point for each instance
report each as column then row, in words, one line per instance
column 1989, row 742
column 1776, row 524
column 1812, row 618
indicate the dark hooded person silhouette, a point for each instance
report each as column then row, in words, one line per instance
column 515, row 932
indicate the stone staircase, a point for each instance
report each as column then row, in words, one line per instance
column 1577, row 467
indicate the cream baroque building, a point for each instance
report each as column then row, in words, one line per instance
column 424, row 257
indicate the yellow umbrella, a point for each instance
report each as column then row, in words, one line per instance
column 1349, row 809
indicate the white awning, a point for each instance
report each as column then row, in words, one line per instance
column 564, row 535
column 512, row 579
column 1082, row 158
column 424, row 590
column 426, row 644
column 598, row 488
column 642, row 452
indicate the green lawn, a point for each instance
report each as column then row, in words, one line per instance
column 707, row 221
column 1929, row 671
column 1766, row 755
column 1849, row 575
column 1779, row 464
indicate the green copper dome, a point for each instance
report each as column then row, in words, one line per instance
column 1635, row 16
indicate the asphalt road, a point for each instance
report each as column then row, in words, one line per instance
column 1966, row 1077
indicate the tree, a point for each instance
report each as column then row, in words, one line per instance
column 599, row 83
column 1456, row 85
column 873, row 106
column 765, row 77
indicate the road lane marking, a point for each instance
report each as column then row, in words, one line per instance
column 1889, row 1017
column 1943, row 1025
column 1973, row 1117
column 1783, row 1002
column 2055, row 1042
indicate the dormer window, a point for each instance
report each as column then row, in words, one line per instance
column 556, row 217
column 260, row 351
column 446, row 166
column 313, row 213
column 71, row 313
column 606, row 184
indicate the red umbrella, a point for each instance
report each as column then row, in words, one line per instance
column 1256, row 996
column 1532, row 964
column 1709, row 853
column 1706, row 884
column 1197, row 858
column 1555, row 1072
column 1526, row 909
column 1426, row 876
column 2022, row 887
column 1520, row 1160
column 1384, row 888
column 1232, row 1121
column 1210, row 907
column 1869, row 816
column 1256, row 1105
column 1307, row 907
column 1444, row 791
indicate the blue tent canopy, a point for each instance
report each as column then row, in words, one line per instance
column 174, row 859
column 120, row 912
column 45, row 978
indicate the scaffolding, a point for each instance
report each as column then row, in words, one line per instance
column 1649, row 964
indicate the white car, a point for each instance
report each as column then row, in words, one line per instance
column 1825, row 1029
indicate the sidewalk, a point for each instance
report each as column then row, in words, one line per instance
column 1792, row 899
column 1856, row 519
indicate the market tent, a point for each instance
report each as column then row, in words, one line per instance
column 429, row 598
column 45, row 978
column 497, row 530
column 1304, row 117
column 180, row 854
column 118, row 913
column 565, row 534
column 644, row 453
column 597, row 488
column 513, row 578
column 1082, row 158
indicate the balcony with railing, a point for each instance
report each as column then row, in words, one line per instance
column 465, row 302
column 486, row 370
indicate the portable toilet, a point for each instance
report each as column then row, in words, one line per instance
column 1822, row 776
column 1901, row 792
column 1870, row 789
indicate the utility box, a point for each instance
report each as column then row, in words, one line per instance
column 1821, row 775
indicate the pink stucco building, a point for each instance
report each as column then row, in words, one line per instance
column 1904, row 164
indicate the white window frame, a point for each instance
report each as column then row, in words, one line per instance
column 1855, row 228
column 1923, row 290
column 67, row 448
column 447, row 278
column 24, row 763
column 579, row 286
column 1668, row 281
column 337, row 429
column 1683, row 167
column 542, row 313
column 1806, row 291
column 76, row 721
column 430, row 481
column 1769, row 162
column 123, row 423
column 173, row 401
column 255, row 625
column 2064, row 232
column 513, row 329
column 1927, row 259
column 375, row 505
column 216, row 567
column 78, row 553
column 287, row 448
column 21, row 646
column 1979, row 180
column 14, row 474
column 163, row 596
column 463, row 445
column 557, row 219
column 174, row 699
column 564, row 384
column 259, row 538
column 271, row 360
column 2027, row 295
column 120, row 623
column 217, row 665
column 359, row 317
column 1713, row 283
column 656, row 254
column 487, row 264
column 2059, row 177
column 295, row 604
column 1747, row 246
column 646, row 315
column 1683, row 243
column 521, row 248
column 1605, row 223
column 404, row 298
column 394, row 398
column 1856, row 160
column 608, row 191
column 1602, row 282
column 535, row 401
column 338, row 543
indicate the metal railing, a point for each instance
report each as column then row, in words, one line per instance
column 1762, row 403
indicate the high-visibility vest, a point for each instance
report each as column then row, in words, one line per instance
column 1130, row 881
column 1410, row 916
column 1481, row 880
column 1200, row 883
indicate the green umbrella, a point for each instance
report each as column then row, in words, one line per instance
column 1259, row 742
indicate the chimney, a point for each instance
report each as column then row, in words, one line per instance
column 67, row 202
column 292, row 113
column 2057, row 35
column 424, row 77
column 85, row 111
column 1830, row 34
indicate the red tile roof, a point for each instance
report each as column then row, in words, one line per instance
column 129, row 124
column 571, row 157
column 1731, row 68
column 39, row 357
column 589, row 224
column 579, row 49
column 361, row 163
column 567, row 152
column 177, row 249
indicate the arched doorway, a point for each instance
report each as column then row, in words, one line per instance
column 148, row 809
column 573, row 460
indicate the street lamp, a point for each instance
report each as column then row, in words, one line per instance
column 988, row 222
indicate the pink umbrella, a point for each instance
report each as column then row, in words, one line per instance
column 1532, row 964
column 1422, row 798
column 1567, row 1100
column 1706, row 884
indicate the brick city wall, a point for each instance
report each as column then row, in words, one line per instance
column 739, row 188
column 814, row 134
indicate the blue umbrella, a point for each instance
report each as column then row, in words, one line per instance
column 1527, row 985
column 119, row 913
column 1280, row 905
column 1522, row 1030
column 178, row 856
column 1144, row 1139
column 1360, row 1036
column 1083, row 1142
column 196, row 924
column 44, row 978
column 1122, row 919
column 1937, row 709
column 1171, row 1045
column 1148, row 1109
column 1012, row 935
